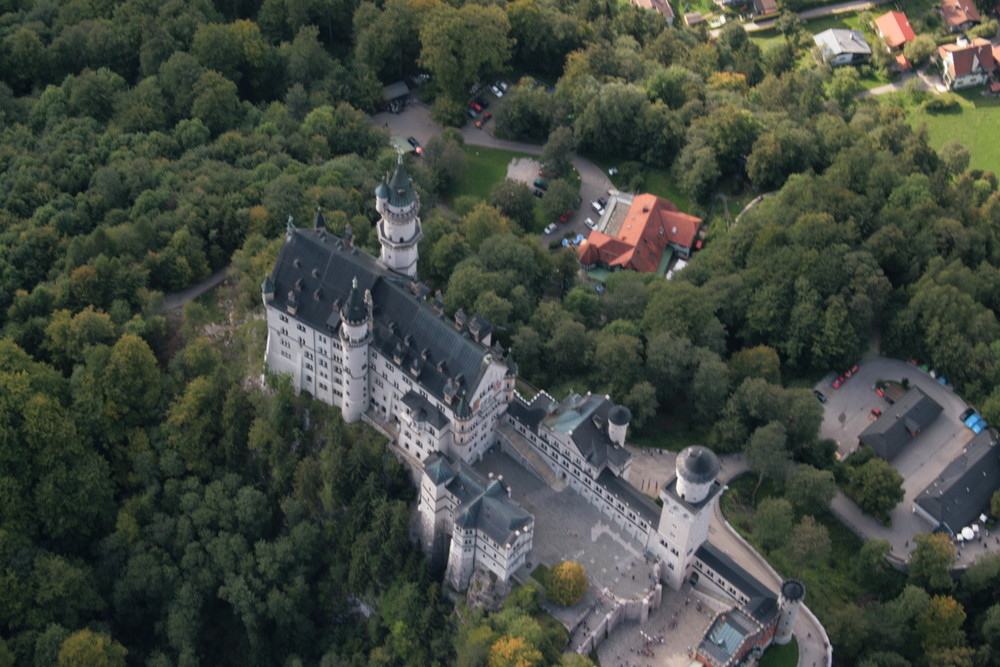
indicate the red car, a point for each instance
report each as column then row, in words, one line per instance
column 838, row 382
column 876, row 412
column 475, row 107
column 564, row 217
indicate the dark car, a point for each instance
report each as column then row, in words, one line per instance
column 602, row 201
column 966, row 414
column 541, row 185
column 481, row 102
column 413, row 142
column 820, row 395
column 538, row 193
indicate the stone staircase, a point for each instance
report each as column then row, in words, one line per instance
column 528, row 454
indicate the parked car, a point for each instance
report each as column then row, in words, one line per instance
column 541, row 185
column 551, row 228
column 590, row 223
column 496, row 91
column 838, row 382
column 876, row 413
column 502, row 85
column 475, row 106
column 565, row 216
column 820, row 395
column 413, row 142
column 471, row 112
column 481, row 101
column 602, row 201
column 597, row 207
column 538, row 193
column 968, row 412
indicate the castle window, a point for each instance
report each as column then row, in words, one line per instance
column 309, row 378
column 300, row 327
column 286, row 355
column 282, row 318
column 309, row 367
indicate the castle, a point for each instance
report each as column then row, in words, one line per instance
column 360, row 333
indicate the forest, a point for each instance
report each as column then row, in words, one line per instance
column 160, row 504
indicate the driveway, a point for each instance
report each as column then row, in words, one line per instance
column 847, row 412
column 415, row 121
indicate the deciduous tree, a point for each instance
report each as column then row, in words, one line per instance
column 566, row 583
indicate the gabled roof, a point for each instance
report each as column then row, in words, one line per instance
column 483, row 504
column 649, row 225
column 316, row 269
column 661, row 6
column 898, row 425
column 959, row 12
column 762, row 603
column 962, row 491
column 973, row 58
column 836, row 41
column 585, row 420
column 764, row 7
column 895, row 29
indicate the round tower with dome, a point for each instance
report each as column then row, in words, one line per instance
column 688, row 501
column 355, row 337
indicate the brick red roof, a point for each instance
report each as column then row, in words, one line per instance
column 661, row 6
column 963, row 57
column 959, row 12
column 895, row 29
column 651, row 222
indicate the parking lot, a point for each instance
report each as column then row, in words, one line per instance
column 847, row 413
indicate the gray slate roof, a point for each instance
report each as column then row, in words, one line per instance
column 424, row 410
column 642, row 504
column 403, row 324
column 835, row 41
column 898, row 425
column 585, row 419
column 401, row 191
column 483, row 504
column 763, row 604
column 698, row 464
column 726, row 636
column 963, row 490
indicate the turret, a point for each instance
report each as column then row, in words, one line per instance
column 696, row 468
column 793, row 592
column 618, row 421
column 355, row 335
column 267, row 290
column 399, row 230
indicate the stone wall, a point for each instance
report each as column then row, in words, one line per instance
column 634, row 610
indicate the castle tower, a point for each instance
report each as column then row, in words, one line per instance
column 434, row 508
column 618, row 420
column 399, row 229
column 688, row 501
column 793, row 592
column 355, row 336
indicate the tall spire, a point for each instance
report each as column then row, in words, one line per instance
column 319, row 222
column 401, row 186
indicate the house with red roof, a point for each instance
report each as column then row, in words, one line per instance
column 965, row 64
column 894, row 29
column 637, row 239
column 960, row 15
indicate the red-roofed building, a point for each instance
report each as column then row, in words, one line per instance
column 959, row 15
column 894, row 28
column 637, row 241
column 964, row 64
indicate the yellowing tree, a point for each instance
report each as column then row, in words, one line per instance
column 511, row 651
column 566, row 583
column 91, row 649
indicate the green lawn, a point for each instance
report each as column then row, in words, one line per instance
column 486, row 166
column 781, row 656
column 976, row 126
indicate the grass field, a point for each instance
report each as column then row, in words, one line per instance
column 976, row 126
column 781, row 656
column 486, row 166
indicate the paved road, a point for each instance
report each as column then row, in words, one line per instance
column 928, row 82
column 416, row 122
column 176, row 300
column 828, row 10
column 653, row 467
